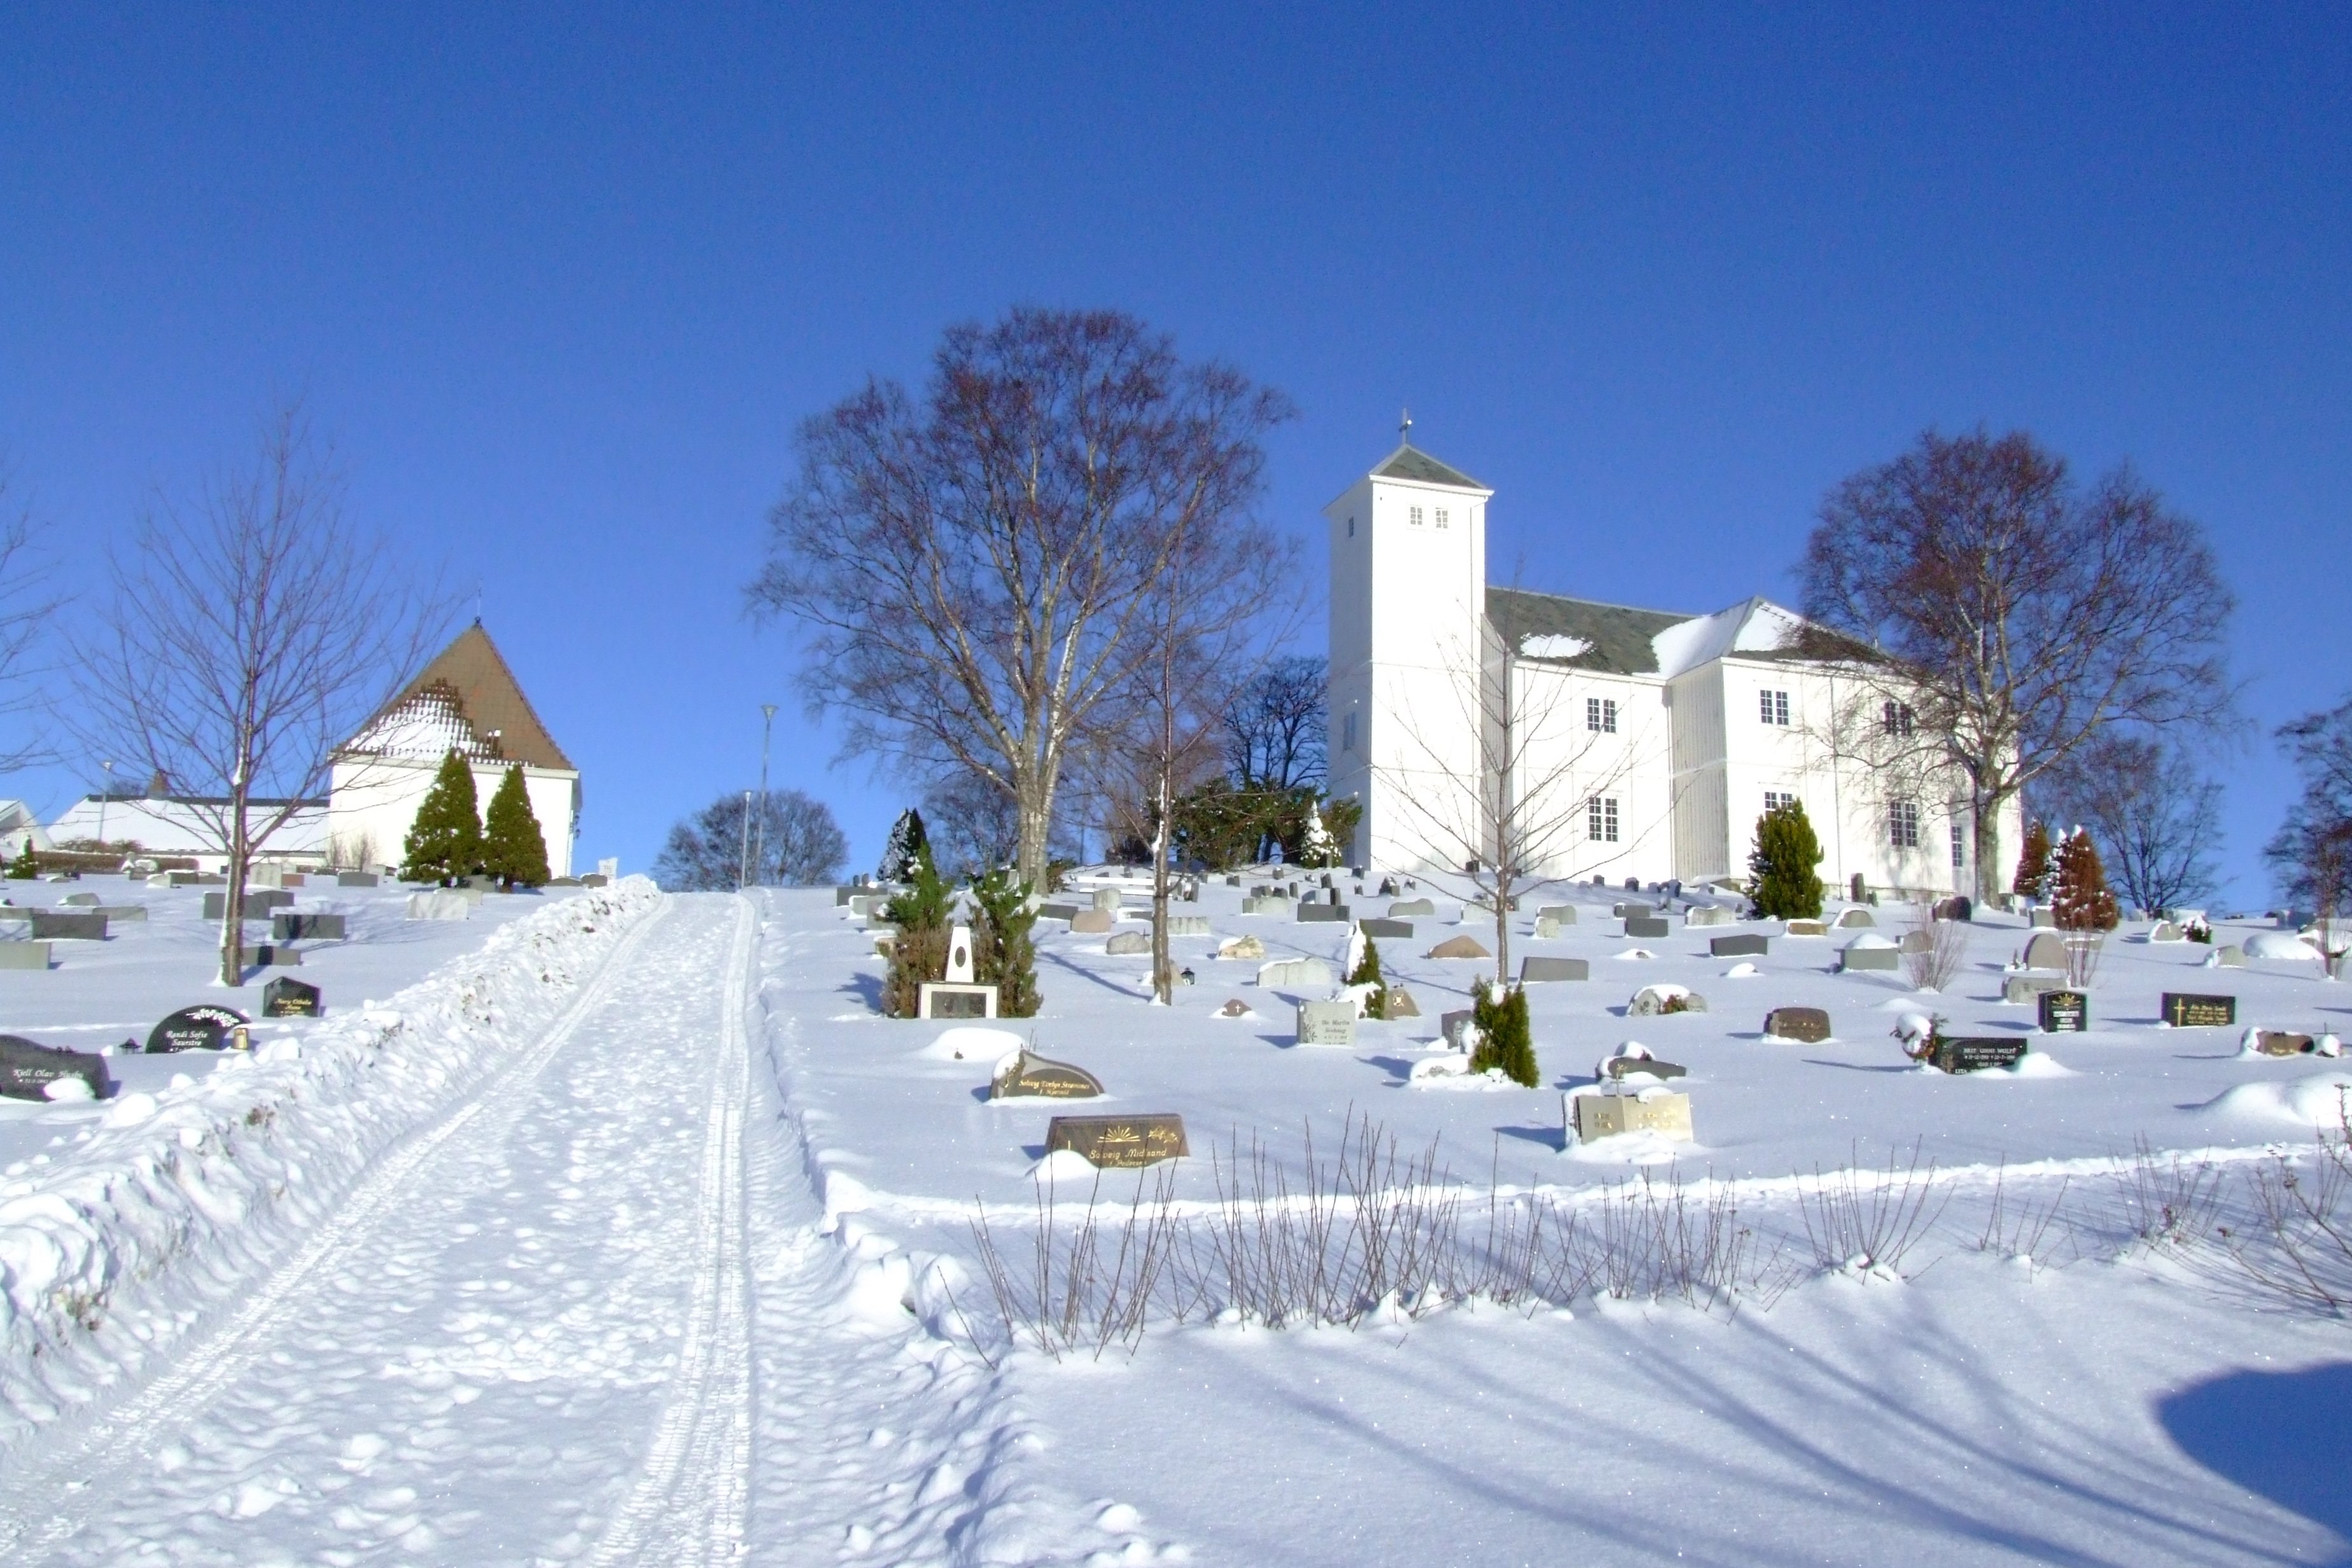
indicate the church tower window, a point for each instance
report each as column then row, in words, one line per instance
column 1415, row 517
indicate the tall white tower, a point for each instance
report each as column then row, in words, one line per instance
column 1407, row 610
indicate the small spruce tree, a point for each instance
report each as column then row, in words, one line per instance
column 907, row 843
column 1781, row 880
column 2080, row 899
column 2032, row 878
column 1005, row 953
column 514, row 850
column 23, row 867
column 445, row 842
column 1505, row 1038
column 1319, row 850
column 919, row 952
column 1368, row 972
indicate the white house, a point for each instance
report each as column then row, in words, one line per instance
column 164, row 824
column 466, row 698
column 1609, row 742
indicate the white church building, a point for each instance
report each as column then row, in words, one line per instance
column 1608, row 741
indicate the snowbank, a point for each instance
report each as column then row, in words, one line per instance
column 2318, row 1100
column 164, row 1202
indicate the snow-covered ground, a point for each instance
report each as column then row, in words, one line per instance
column 640, row 1238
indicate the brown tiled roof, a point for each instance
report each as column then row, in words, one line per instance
column 492, row 699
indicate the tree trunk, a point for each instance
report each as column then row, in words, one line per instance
column 1163, row 977
column 1502, row 929
column 1036, row 817
column 240, row 855
column 1986, row 839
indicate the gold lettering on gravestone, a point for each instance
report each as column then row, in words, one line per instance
column 2184, row 1011
column 1119, row 1142
column 1034, row 1075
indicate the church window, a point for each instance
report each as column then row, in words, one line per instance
column 1348, row 732
column 1351, row 528
column 1898, row 718
column 1440, row 517
column 1902, row 824
column 1774, row 707
column 1416, row 517
column 1959, row 845
column 1775, row 799
column 1601, row 818
column 1600, row 715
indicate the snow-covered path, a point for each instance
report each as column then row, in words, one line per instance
column 524, row 1338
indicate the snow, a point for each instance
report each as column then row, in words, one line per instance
column 2280, row 944
column 651, row 1242
column 1554, row 646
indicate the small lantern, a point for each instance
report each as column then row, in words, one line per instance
column 1185, row 977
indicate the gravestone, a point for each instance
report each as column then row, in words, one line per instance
column 2045, row 919
column 217, row 907
column 2278, row 1043
column 1647, row 926
column 2064, row 1012
column 1547, row 929
column 1025, row 1077
column 2165, row 931
column 1388, row 887
column 1054, row 911
column 1916, row 941
column 1592, row 1117
column 1879, row 956
column 370, row 880
column 1739, row 944
column 1106, row 899
column 1809, row 1025
column 1856, row 920
column 264, row 875
column 1119, row 1142
column 862, row 905
column 438, row 906
column 1126, row 944
column 2230, row 956
column 1246, row 946
column 1267, row 904
column 938, row 999
column 1707, row 915
column 23, row 955
column 52, row 925
column 2187, row 1010
column 286, row 926
column 1536, row 970
column 2016, row 989
column 1561, row 914
column 960, row 956
column 204, row 1028
column 1327, row 1023
column 1235, row 1007
column 1188, row 925
column 117, row 914
column 1375, row 927
column 1617, row 1069
column 1656, row 1001
column 80, row 901
column 1090, row 922
column 27, row 1069
column 1405, row 909
column 285, row 998
column 594, row 880
column 2045, row 950
column 1459, row 947
column 271, row 955
column 1323, row 913
column 1956, row 908
column 1966, row 1053
column 1401, row 1003
column 1803, row 928
column 1296, row 975
column 1455, row 1027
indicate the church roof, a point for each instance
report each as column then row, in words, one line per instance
column 469, row 699
column 1585, row 633
column 1410, row 462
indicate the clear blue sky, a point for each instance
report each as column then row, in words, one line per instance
column 561, row 281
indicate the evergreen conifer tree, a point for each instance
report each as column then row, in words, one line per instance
column 906, row 844
column 2080, row 899
column 1780, row 877
column 24, row 869
column 514, row 850
column 445, row 842
column 1005, row 954
column 1319, row 850
column 919, row 952
column 1368, row 972
column 1506, row 1038
column 2032, row 878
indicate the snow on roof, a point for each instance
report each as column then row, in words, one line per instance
column 1554, row 646
column 1755, row 625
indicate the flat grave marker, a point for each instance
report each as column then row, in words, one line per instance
column 1375, row 927
column 1119, row 1142
column 1977, row 1053
column 1808, row 1024
column 2188, row 1010
column 938, row 999
column 1647, row 926
column 52, row 925
column 1593, row 1117
column 1536, row 970
column 1739, row 944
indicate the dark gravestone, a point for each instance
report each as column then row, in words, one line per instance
column 1119, row 1142
column 1647, row 925
column 2064, row 1012
column 270, row 955
column 2184, row 1010
column 959, row 1002
column 1810, row 1025
column 54, row 925
column 1956, row 908
column 287, row 926
column 1454, row 1025
column 1619, row 1068
column 286, row 998
column 1030, row 1077
column 355, row 879
column 1534, row 971
column 843, row 893
column 1739, row 944
column 1323, row 911
column 259, row 902
column 27, row 1069
column 1975, row 1055
column 1376, row 927
column 2276, row 1043
column 1057, row 912
column 204, row 1028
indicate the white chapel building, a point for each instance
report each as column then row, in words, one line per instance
column 1614, row 742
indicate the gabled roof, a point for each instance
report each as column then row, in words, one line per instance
column 468, row 697
column 1410, row 462
column 1584, row 634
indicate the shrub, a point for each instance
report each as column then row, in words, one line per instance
column 1781, row 880
column 1368, row 972
column 1505, row 1038
column 514, row 850
column 445, row 842
column 907, row 843
column 919, row 953
column 2032, row 878
column 1002, row 952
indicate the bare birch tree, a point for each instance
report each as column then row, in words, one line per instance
column 26, row 610
column 974, row 575
column 248, row 634
column 2013, row 616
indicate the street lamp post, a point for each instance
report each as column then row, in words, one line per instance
column 743, row 865
column 759, row 834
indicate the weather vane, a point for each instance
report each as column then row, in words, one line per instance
column 1405, row 425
